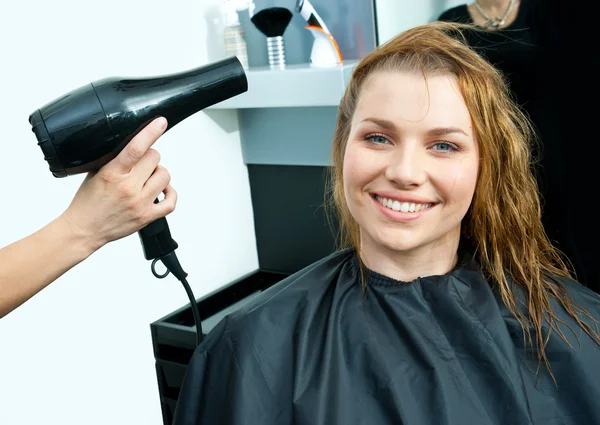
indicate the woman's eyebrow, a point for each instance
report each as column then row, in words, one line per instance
column 443, row 131
column 435, row 132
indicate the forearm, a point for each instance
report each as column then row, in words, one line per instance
column 30, row 264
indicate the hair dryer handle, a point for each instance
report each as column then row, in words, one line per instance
column 156, row 238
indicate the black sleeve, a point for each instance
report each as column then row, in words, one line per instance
column 454, row 14
column 445, row 16
column 561, row 26
column 224, row 385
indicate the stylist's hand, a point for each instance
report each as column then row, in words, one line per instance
column 118, row 200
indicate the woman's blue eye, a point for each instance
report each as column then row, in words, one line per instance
column 445, row 147
column 375, row 138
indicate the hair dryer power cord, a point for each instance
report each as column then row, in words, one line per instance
column 172, row 264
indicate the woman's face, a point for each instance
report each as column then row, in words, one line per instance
column 411, row 162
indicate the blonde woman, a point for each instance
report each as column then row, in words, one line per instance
column 447, row 303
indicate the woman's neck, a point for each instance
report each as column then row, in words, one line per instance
column 494, row 7
column 437, row 258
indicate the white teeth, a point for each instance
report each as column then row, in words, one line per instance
column 401, row 206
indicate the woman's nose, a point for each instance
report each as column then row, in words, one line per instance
column 407, row 167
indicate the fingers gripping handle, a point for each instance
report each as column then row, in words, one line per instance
column 156, row 239
column 157, row 243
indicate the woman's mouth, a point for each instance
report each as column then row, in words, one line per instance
column 405, row 207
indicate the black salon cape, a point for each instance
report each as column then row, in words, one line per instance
column 546, row 55
column 311, row 350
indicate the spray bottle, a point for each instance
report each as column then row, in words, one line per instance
column 235, row 38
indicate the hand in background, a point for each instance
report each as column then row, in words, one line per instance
column 110, row 204
column 118, row 200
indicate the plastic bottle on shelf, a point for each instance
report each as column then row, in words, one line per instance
column 235, row 38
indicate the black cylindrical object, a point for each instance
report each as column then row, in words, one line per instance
column 87, row 127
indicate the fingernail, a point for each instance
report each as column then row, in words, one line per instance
column 160, row 123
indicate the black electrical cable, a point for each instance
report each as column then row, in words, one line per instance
column 195, row 311
column 172, row 264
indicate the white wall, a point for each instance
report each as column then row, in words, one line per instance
column 80, row 352
column 395, row 16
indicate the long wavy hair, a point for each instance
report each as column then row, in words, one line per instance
column 503, row 223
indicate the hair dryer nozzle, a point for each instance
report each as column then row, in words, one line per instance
column 87, row 127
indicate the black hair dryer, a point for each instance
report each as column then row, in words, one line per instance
column 86, row 128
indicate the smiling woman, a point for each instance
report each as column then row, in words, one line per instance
column 446, row 295
column 409, row 172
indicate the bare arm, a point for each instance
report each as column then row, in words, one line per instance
column 113, row 203
column 30, row 264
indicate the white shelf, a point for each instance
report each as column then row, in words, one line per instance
column 294, row 86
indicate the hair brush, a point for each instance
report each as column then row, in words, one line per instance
column 273, row 22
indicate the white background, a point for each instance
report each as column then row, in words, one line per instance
column 80, row 352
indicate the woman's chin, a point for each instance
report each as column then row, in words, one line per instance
column 397, row 244
column 409, row 242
